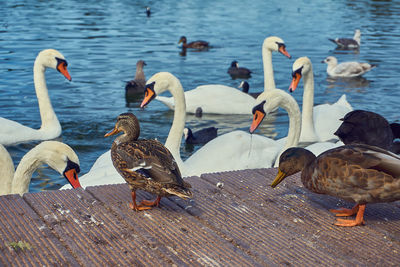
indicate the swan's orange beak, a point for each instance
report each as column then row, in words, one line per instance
column 283, row 51
column 72, row 177
column 257, row 119
column 112, row 132
column 62, row 67
column 149, row 94
column 295, row 82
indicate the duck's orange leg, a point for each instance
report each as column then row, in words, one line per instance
column 134, row 206
column 150, row 203
column 358, row 221
column 346, row 212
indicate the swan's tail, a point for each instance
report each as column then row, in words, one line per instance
column 168, row 101
column 343, row 101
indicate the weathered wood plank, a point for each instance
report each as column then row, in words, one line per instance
column 90, row 231
column 190, row 241
column 37, row 245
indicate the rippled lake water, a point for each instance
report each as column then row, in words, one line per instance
column 102, row 40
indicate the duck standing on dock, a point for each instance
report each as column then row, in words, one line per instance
column 359, row 173
column 145, row 164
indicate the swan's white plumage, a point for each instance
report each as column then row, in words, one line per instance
column 214, row 99
column 12, row 132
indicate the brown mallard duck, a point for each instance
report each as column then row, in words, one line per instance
column 359, row 173
column 196, row 44
column 145, row 164
column 136, row 85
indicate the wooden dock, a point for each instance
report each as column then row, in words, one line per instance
column 243, row 222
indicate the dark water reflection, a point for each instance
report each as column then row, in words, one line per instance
column 102, row 41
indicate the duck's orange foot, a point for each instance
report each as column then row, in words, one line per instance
column 150, row 203
column 346, row 212
column 359, row 218
column 138, row 207
column 343, row 222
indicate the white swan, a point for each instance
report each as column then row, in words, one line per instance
column 232, row 151
column 12, row 132
column 346, row 69
column 57, row 155
column 320, row 122
column 221, row 99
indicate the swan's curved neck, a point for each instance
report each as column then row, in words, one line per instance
column 269, row 82
column 174, row 139
column 23, row 174
column 47, row 114
column 307, row 119
column 6, row 171
column 293, row 110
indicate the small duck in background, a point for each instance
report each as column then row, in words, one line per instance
column 200, row 45
column 148, row 11
column 359, row 173
column 366, row 127
column 145, row 164
column 238, row 72
column 245, row 89
column 346, row 69
column 135, row 87
column 201, row 136
column 348, row 43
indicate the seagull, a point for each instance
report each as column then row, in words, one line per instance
column 346, row 69
column 348, row 43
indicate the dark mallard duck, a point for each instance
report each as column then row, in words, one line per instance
column 366, row 127
column 136, row 86
column 145, row 164
column 359, row 173
column 196, row 44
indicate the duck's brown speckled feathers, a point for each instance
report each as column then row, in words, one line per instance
column 360, row 173
column 148, row 165
column 145, row 164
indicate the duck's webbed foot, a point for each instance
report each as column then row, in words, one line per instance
column 149, row 203
column 136, row 207
column 358, row 221
column 346, row 212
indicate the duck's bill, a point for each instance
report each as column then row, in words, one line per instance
column 112, row 132
column 72, row 177
column 257, row 119
column 62, row 67
column 149, row 94
column 295, row 82
column 284, row 52
column 278, row 179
